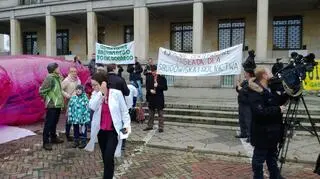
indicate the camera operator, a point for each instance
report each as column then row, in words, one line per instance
column 267, row 125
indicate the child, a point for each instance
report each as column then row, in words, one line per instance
column 79, row 116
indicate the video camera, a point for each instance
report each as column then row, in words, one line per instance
column 289, row 78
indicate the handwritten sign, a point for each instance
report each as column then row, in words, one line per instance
column 224, row 62
column 122, row 54
column 312, row 81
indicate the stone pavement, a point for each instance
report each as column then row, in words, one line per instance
column 148, row 155
column 221, row 140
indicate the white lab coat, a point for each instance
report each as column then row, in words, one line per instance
column 119, row 114
column 133, row 93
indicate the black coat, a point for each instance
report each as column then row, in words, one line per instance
column 267, row 124
column 243, row 92
column 116, row 82
column 135, row 71
column 156, row 101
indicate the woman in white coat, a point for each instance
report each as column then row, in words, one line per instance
column 110, row 118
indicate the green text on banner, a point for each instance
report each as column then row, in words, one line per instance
column 223, row 62
column 121, row 54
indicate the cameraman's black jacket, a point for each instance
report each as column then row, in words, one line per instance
column 243, row 93
column 267, row 125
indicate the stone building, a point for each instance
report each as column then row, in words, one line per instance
column 71, row 27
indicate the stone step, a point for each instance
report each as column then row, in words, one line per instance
column 232, row 122
column 314, row 110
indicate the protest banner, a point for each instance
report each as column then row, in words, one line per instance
column 121, row 54
column 223, row 62
column 312, row 81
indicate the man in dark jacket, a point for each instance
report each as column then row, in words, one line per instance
column 244, row 107
column 155, row 85
column 135, row 76
column 92, row 64
column 115, row 81
column 242, row 88
column 267, row 124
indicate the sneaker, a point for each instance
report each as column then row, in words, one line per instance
column 56, row 140
column 47, row 146
column 160, row 130
column 148, row 129
column 75, row 144
column 82, row 145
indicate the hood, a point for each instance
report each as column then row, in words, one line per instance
column 254, row 86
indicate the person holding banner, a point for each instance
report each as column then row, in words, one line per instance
column 155, row 85
column 135, row 76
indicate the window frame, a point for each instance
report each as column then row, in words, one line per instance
column 287, row 18
column 231, row 21
column 125, row 33
column 68, row 43
column 25, row 34
column 181, row 31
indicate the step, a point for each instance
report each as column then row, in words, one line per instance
column 313, row 110
column 215, row 121
column 222, row 114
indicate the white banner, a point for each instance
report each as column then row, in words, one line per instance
column 223, row 62
column 121, row 54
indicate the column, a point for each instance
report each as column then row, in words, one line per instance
column 262, row 29
column 197, row 26
column 15, row 35
column 92, row 32
column 51, row 36
column 141, row 33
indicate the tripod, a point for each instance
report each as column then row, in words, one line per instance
column 290, row 123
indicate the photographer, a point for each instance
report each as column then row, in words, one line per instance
column 266, row 126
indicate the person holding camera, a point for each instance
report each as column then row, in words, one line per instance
column 267, row 125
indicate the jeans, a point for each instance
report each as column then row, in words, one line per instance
column 245, row 119
column 140, row 95
column 79, row 134
column 108, row 141
column 50, row 125
column 268, row 155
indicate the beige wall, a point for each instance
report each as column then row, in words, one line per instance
column 77, row 37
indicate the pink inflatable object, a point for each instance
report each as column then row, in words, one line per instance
column 20, row 79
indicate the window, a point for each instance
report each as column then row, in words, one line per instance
column 287, row 33
column 28, row 2
column 128, row 33
column 30, row 45
column 230, row 33
column 181, row 37
column 63, row 42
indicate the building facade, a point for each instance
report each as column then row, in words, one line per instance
column 272, row 28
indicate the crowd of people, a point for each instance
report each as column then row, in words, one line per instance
column 106, row 111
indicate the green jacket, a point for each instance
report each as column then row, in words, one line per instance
column 51, row 91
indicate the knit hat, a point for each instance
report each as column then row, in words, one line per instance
column 80, row 87
column 51, row 67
